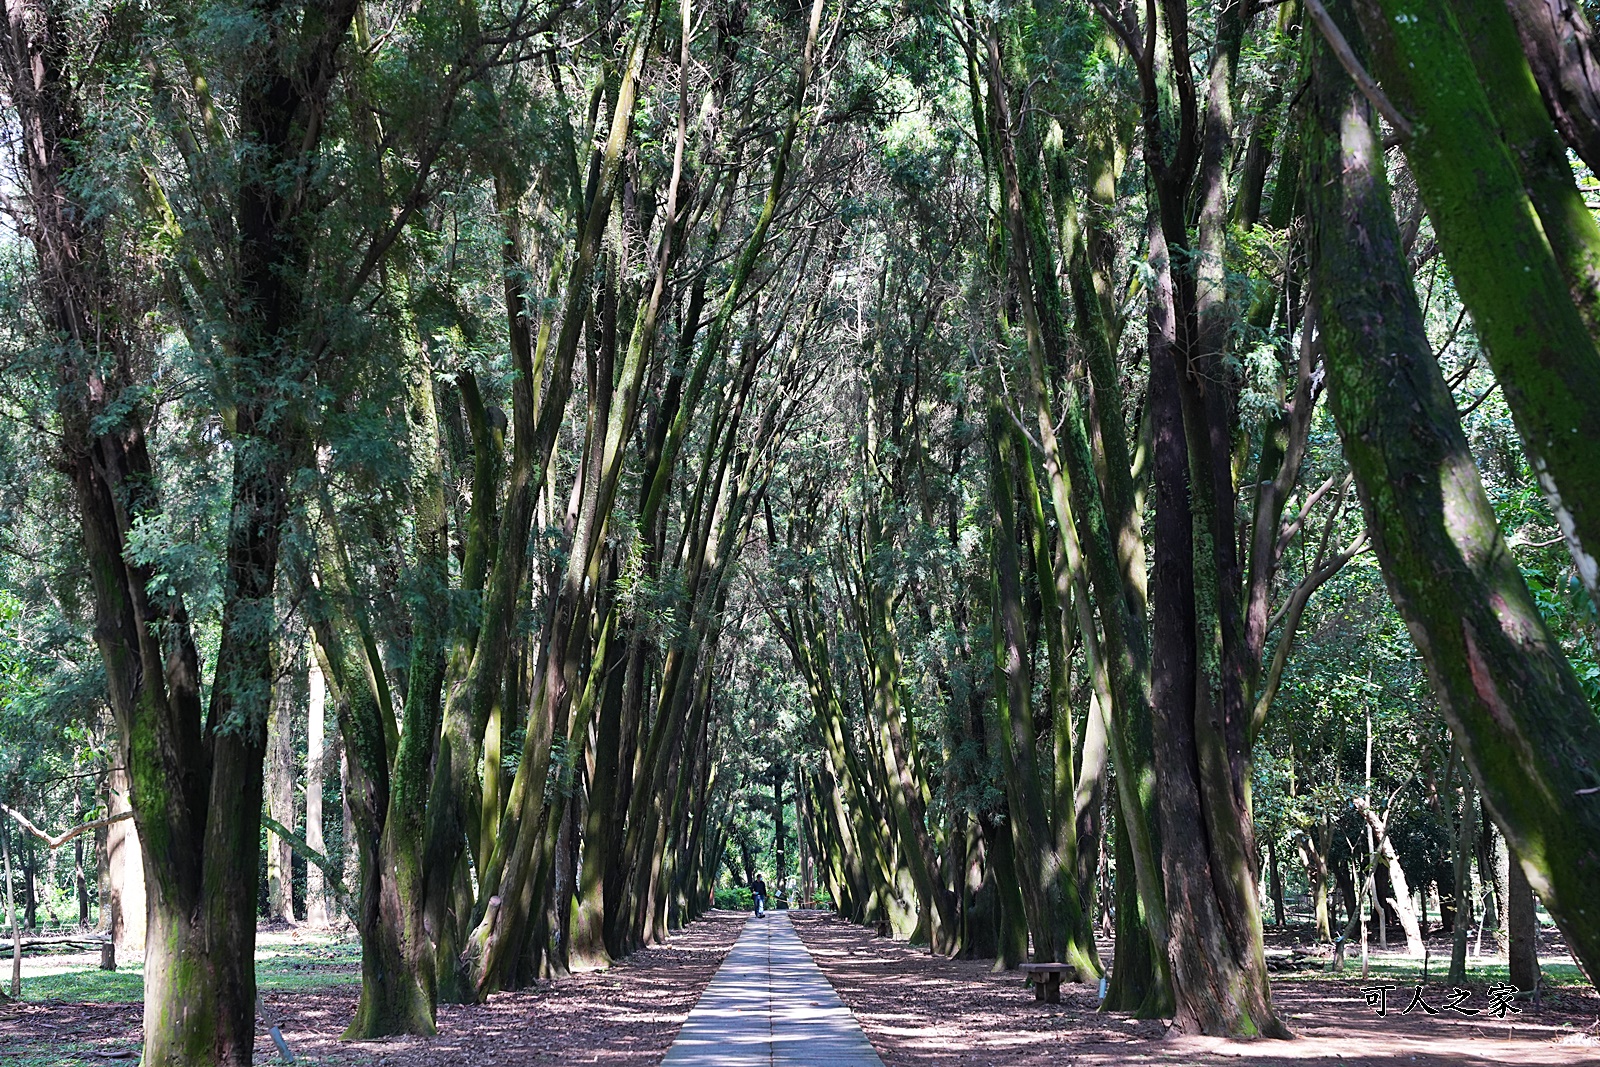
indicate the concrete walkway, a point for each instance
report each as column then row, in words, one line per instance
column 770, row 1006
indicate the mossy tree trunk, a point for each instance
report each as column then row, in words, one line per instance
column 1061, row 932
column 196, row 776
column 1516, row 258
column 1534, row 755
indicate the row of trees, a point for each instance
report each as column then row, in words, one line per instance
column 910, row 420
column 342, row 326
column 1005, row 315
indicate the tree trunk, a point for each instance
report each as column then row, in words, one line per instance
column 1540, row 156
column 601, row 821
column 780, row 861
column 1490, row 874
column 1215, row 952
column 11, row 915
column 1522, row 929
column 1508, row 259
column 1045, row 842
column 1315, row 856
column 1048, row 880
column 1466, row 846
column 1399, row 900
column 280, row 798
column 30, row 891
column 808, row 852
column 388, row 774
column 1560, row 46
column 1138, row 983
column 80, row 883
column 1275, row 882
column 196, row 774
column 1012, row 920
column 316, row 771
column 122, row 899
column 1447, row 566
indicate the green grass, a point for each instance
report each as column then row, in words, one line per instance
column 281, row 966
column 55, row 1053
column 308, row 965
column 86, row 986
column 1555, row 975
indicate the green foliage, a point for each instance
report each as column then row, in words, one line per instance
column 736, row 898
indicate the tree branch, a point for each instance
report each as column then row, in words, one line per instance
column 55, row 842
column 329, row 869
column 1352, row 66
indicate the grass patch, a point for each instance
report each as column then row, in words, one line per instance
column 302, row 966
column 55, row 1053
column 1409, row 971
column 282, row 965
column 88, row 985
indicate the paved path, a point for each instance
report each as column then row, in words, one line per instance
column 770, row 1006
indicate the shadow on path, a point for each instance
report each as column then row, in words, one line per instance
column 770, row 1006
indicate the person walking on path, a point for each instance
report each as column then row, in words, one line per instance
column 758, row 890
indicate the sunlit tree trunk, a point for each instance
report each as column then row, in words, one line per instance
column 280, row 798
column 1516, row 259
column 316, row 777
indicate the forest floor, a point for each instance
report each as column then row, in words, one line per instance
column 73, row 1013
column 926, row 1011
column 918, row 1010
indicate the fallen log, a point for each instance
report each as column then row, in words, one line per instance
column 87, row 940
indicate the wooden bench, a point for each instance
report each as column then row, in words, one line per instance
column 1046, row 979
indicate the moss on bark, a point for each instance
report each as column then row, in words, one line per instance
column 1512, row 701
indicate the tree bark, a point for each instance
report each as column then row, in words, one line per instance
column 30, row 893
column 1560, row 45
column 1522, row 929
column 80, row 882
column 1490, row 875
column 1275, row 882
column 1504, row 262
column 1314, row 854
column 1389, row 860
column 1534, row 756
column 780, row 861
column 1466, row 845
column 196, row 776
column 316, row 772
column 1540, row 156
column 280, row 798
column 122, row 899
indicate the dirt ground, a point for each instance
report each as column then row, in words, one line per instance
column 926, row 1011
column 918, row 1011
column 624, row 1016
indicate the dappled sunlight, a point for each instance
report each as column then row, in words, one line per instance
column 926, row 1011
column 627, row 1014
column 769, row 1005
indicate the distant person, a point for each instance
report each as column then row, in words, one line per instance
column 758, row 890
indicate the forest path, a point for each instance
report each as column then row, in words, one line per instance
column 770, row 1006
